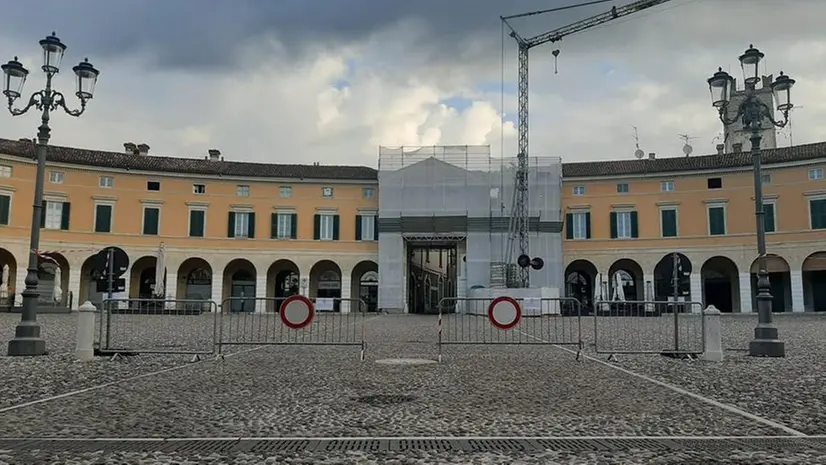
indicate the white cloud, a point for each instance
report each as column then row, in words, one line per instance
column 275, row 110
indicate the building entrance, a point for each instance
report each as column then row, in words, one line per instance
column 431, row 275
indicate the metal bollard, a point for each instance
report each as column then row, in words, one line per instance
column 713, row 337
column 84, row 349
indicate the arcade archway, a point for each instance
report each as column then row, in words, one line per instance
column 721, row 284
column 629, row 273
column 814, row 282
column 780, row 280
column 580, row 282
column 670, row 266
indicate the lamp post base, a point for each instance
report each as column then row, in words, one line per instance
column 27, row 341
column 766, row 344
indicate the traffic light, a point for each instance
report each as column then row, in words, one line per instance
column 525, row 261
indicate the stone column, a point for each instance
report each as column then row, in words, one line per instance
column 347, row 305
column 304, row 289
column 745, row 293
column 696, row 282
column 74, row 286
column 218, row 290
column 646, row 293
column 260, row 292
column 171, row 291
column 797, row 291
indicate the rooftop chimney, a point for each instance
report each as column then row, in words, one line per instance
column 652, row 156
column 214, row 154
column 130, row 148
column 721, row 149
column 143, row 149
column 737, row 147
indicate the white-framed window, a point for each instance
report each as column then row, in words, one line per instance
column 327, row 192
column 579, row 221
column 199, row 189
column 56, row 177
column 669, row 224
column 103, row 217
column 766, row 178
column 106, row 182
column 5, row 207
column 624, row 229
column 151, row 220
column 368, row 227
column 197, row 221
column 815, row 174
column 717, row 220
column 817, row 212
column 242, row 224
column 285, row 192
column 242, row 190
column 368, row 193
column 770, row 216
column 667, row 186
column 5, row 171
column 154, row 186
column 579, row 190
column 326, row 227
column 284, row 226
column 54, row 215
column 622, row 188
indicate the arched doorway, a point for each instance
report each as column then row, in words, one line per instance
column 580, row 283
column 630, row 275
column 8, row 278
column 670, row 265
column 240, row 286
column 721, row 284
column 194, row 280
column 814, row 282
column 142, row 278
column 325, row 283
column 53, row 281
column 365, row 284
column 780, row 280
column 283, row 280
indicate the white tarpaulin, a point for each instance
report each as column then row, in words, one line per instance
column 160, row 267
column 4, row 282
column 57, row 292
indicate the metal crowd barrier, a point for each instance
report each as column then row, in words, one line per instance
column 649, row 327
column 261, row 321
column 540, row 321
column 157, row 326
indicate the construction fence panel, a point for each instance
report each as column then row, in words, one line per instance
column 258, row 321
column 157, row 326
column 555, row 321
column 649, row 327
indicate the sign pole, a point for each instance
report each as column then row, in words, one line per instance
column 675, row 282
column 110, row 287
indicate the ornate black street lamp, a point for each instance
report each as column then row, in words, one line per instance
column 27, row 340
column 753, row 113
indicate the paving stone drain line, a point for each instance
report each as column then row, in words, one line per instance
column 602, row 444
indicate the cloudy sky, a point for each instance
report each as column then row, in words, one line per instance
column 331, row 80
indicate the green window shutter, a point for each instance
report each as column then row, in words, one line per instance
column 569, row 226
column 251, row 229
column 358, row 227
column 635, row 225
column 613, row 225
column 336, row 225
column 151, row 218
column 196, row 223
column 716, row 221
column 669, row 223
column 103, row 218
column 43, row 214
column 817, row 212
column 231, row 224
column 293, row 226
column 65, row 214
column 587, row 225
column 375, row 228
column 273, row 225
column 316, row 227
column 5, row 209
column 768, row 217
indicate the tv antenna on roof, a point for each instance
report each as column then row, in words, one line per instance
column 637, row 153
column 687, row 148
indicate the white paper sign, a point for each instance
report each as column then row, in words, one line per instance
column 531, row 304
column 324, row 305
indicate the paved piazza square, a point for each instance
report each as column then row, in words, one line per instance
column 313, row 392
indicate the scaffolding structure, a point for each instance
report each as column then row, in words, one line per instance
column 464, row 186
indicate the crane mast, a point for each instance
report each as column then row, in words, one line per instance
column 520, row 214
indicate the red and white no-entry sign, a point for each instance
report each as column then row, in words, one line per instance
column 504, row 313
column 297, row 312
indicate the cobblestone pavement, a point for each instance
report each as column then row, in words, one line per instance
column 790, row 390
column 327, row 391
column 417, row 458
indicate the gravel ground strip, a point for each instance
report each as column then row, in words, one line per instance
column 319, row 392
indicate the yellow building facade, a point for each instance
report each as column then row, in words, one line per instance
column 233, row 229
column 630, row 217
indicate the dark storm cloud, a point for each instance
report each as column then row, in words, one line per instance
column 206, row 33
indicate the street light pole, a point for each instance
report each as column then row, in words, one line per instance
column 752, row 112
column 27, row 340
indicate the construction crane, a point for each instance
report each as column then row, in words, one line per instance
column 519, row 214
